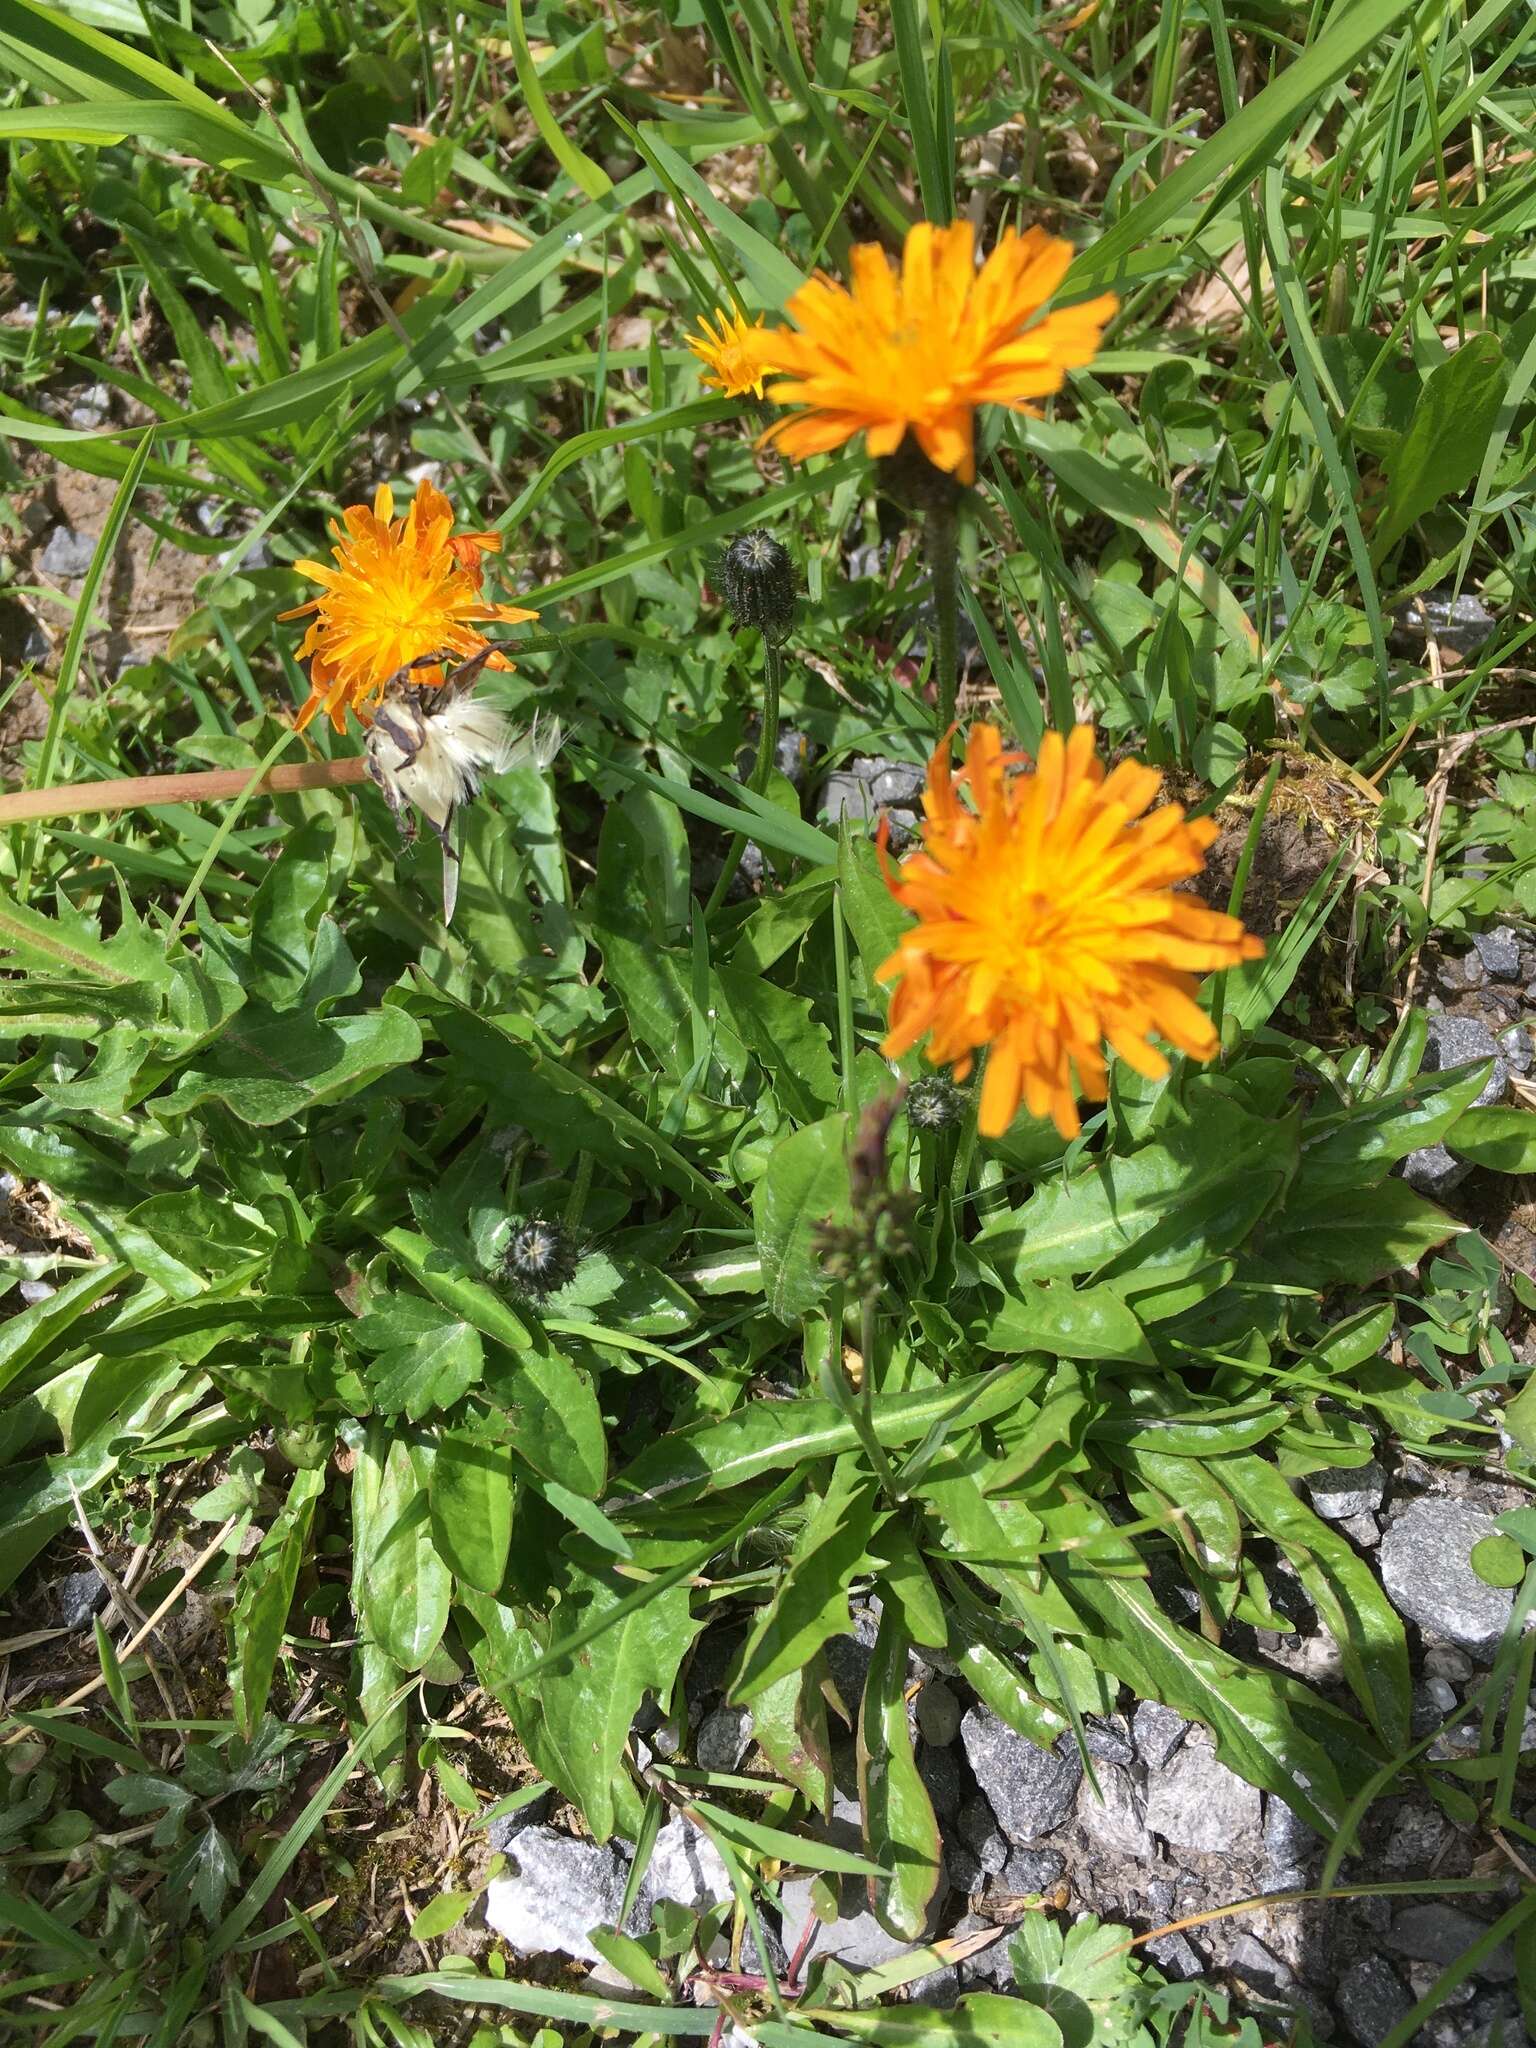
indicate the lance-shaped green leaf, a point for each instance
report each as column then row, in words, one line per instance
column 900, row 1831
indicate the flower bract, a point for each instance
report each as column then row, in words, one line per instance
column 922, row 347
column 1049, row 924
column 396, row 591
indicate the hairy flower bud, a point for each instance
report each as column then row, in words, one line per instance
column 934, row 1103
column 540, row 1258
column 758, row 580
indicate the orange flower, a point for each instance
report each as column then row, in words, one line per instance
column 925, row 348
column 401, row 589
column 726, row 351
column 1048, row 923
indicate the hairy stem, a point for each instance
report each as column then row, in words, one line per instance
column 943, row 563
column 767, row 745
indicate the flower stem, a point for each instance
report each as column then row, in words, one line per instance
column 944, row 564
column 767, row 746
column 146, row 792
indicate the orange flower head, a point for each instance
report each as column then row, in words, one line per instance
column 1048, row 923
column 923, row 348
column 727, row 352
column 400, row 589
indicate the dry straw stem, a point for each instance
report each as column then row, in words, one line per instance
column 147, row 792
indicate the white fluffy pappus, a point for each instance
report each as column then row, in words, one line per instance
column 429, row 750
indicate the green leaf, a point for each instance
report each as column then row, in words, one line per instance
column 984, row 2019
column 404, row 1584
column 265, row 1595
column 900, row 1831
column 427, row 1361
column 471, row 1492
column 1504, row 1139
column 1083, row 1976
column 574, row 1717
column 789, row 1724
column 1498, row 1561
column 267, row 1068
column 806, row 1180
column 441, row 1915
column 1444, row 444
column 1000, row 1686
column 810, row 1601
column 782, row 1030
column 1329, row 1243
column 1067, row 1322
column 1355, row 1147
column 1345, row 1592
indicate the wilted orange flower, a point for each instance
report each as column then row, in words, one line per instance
column 1048, row 923
column 925, row 348
column 726, row 351
column 401, row 589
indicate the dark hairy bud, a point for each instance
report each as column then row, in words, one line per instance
column 758, row 580
column 934, row 1103
column 540, row 1258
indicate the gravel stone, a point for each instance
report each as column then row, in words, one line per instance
column 1362, row 1530
column 503, row 1832
column 1115, row 1820
column 34, row 1291
column 1340, row 1493
column 1433, row 1171
column 981, row 1834
column 1159, row 1731
column 1107, row 1743
column 1428, row 1578
column 686, row 1866
column 561, row 1891
column 1253, row 1963
column 1031, row 1790
column 1515, row 1049
column 1288, row 1841
column 1419, row 1834
column 1177, row 1957
column 939, row 1770
column 79, row 1595
column 844, row 796
column 938, row 1714
column 68, row 554
column 1442, row 1934
column 1029, row 1870
column 1455, row 1042
column 1499, row 951
column 1372, row 2000
column 1195, row 1802
column 91, row 408
column 722, row 1740
column 1462, row 623
column 897, row 783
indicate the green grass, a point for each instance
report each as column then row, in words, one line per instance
column 289, row 1116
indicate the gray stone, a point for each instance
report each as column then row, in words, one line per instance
column 1028, row 1871
column 981, row 1834
column 1177, row 1957
column 91, row 408
column 855, row 1937
column 1419, row 1834
column 1441, row 1934
column 686, row 1866
column 1459, row 972
column 1515, row 1049
column 34, row 1291
column 1456, row 1042
column 79, row 1596
column 1288, row 1841
column 1340, row 1493
column 1426, row 1571
column 938, row 1713
column 722, row 1740
column 899, row 784
column 1159, row 1731
column 962, row 1866
column 1372, row 2000
column 1106, row 1742
column 1114, row 1816
column 505, row 1829
column 1462, row 623
column 68, row 554
column 844, row 796
column 1259, row 1969
column 939, row 1770
column 560, row 1890
column 991, row 1965
column 1362, row 1530
column 1434, row 1171
column 939, row 1988
column 1499, row 951
column 1195, row 1802
column 1031, row 1790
